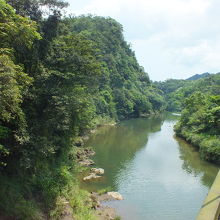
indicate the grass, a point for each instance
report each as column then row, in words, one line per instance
column 75, row 200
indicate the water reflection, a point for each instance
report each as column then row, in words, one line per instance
column 116, row 147
column 194, row 165
column 152, row 169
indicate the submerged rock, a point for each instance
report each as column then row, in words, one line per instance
column 115, row 195
column 106, row 196
column 86, row 163
column 99, row 171
column 91, row 176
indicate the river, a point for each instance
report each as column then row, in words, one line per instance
column 161, row 177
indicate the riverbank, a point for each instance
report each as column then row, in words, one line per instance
column 207, row 145
column 91, row 173
column 199, row 125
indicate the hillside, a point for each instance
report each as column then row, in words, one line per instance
column 175, row 91
column 197, row 98
column 198, row 76
column 60, row 77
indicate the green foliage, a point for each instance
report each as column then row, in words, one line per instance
column 13, row 87
column 199, row 124
column 22, row 208
column 175, row 91
column 36, row 8
column 200, row 119
column 104, row 190
column 80, row 203
column 124, row 88
column 59, row 78
column 16, row 32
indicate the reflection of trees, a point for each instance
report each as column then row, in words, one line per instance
column 116, row 146
column 192, row 163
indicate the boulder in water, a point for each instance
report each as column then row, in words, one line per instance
column 99, row 171
column 91, row 176
column 86, row 162
column 115, row 195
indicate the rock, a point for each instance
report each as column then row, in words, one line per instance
column 89, row 152
column 86, row 162
column 93, row 131
column 67, row 211
column 79, row 142
column 105, row 213
column 99, row 171
column 115, row 195
column 85, row 138
column 101, row 211
column 84, row 153
column 144, row 115
column 91, row 176
column 106, row 197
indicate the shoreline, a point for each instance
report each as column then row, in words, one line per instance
column 101, row 212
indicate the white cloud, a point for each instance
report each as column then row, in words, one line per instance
column 172, row 38
column 147, row 7
column 205, row 53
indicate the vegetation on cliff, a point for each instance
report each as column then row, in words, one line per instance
column 59, row 77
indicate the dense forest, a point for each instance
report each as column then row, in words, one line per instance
column 59, row 78
column 176, row 90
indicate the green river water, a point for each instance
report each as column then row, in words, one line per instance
column 161, row 177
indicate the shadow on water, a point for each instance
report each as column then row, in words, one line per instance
column 194, row 165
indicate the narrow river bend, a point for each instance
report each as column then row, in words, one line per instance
column 161, row 177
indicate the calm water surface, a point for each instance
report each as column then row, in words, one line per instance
column 160, row 177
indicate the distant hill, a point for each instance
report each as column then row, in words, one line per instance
column 176, row 90
column 198, row 76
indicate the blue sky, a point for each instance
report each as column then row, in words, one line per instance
column 171, row 38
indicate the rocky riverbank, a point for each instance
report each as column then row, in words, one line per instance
column 90, row 173
column 103, row 212
column 83, row 156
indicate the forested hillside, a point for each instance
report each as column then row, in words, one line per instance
column 198, row 76
column 175, row 91
column 59, row 78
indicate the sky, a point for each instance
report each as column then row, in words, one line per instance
column 171, row 38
